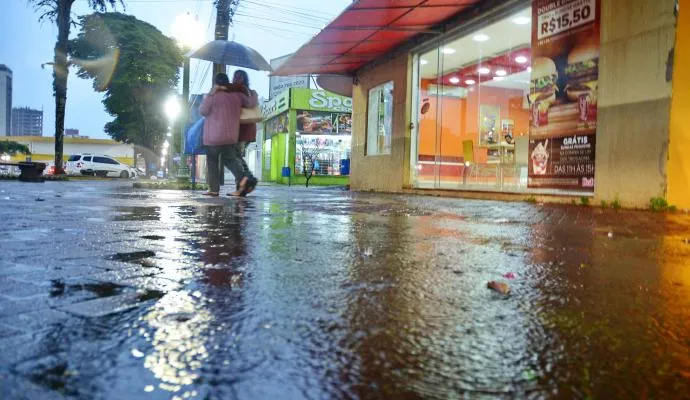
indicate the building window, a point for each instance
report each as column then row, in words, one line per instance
column 380, row 120
column 324, row 141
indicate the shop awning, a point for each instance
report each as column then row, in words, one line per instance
column 366, row 30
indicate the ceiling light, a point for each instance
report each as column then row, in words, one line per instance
column 520, row 59
column 448, row 50
column 522, row 20
column 529, row 69
column 499, row 78
column 501, row 72
column 423, row 62
column 484, row 71
column 470, row 82
column 454, row 79
column 480, row 38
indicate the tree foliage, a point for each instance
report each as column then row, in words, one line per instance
column 60, row 13
column 136, row 66
column 49, row 9
column 10, row 147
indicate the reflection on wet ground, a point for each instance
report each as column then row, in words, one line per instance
column 296, row 294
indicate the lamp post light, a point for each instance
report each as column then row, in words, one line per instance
column 189, row 34
column 172, row 111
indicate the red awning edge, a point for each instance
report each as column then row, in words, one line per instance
column 366, row 30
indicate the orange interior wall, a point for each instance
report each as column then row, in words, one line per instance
column 459, row 119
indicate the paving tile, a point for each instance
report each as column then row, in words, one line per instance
column 105, row 306
column 35, row 320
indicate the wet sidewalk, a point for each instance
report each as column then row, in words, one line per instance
column 107, row 292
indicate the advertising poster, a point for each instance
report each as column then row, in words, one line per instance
column 488, row 124
column 323, row 123
column 563, row 94
column 277, row 125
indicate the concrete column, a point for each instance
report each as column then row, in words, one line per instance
column 634, row 100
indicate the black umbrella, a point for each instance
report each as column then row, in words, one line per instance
column 231, row 53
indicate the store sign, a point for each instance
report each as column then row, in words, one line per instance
column 320, row 100
column 563, row 94
column 279, row 84
column 275, row 106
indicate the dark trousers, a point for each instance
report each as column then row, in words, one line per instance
column 229, row 156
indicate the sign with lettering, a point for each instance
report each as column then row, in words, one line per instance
column 320, row 100
column 563, row 94
column 561, row 16
column 280, row 84
column 275, row 106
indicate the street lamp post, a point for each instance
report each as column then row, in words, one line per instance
column 189, row 35
column 172, row 111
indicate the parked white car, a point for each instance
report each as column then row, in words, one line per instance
column 98, row 165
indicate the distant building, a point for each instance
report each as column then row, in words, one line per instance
column 26, row 122
column 43, row 148
column 5, row 100
column 72, row 133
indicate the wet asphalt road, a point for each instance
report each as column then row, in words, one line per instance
column 107, row 292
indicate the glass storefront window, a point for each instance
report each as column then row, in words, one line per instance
column 323, row 143
column 323, row 154
column 472, row 109
column 380, row 120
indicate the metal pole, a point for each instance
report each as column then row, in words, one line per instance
column 183, row 171
column 225, row 11
column 222, row 32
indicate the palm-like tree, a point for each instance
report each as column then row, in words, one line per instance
column 60, row 13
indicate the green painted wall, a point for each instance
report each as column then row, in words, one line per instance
column 278, row 143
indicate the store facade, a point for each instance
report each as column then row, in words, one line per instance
column 566, row 98
column 302, row 123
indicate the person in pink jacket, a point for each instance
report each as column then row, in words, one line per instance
column 222, row 108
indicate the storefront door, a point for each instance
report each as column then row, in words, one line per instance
column 472, row 114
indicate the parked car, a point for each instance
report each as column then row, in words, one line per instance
column 98, row 165
column 50, row 168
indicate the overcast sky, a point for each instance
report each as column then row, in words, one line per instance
column 272, row 27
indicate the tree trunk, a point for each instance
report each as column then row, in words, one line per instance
column 60, row 72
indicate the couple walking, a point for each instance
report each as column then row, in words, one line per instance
column 225, row 137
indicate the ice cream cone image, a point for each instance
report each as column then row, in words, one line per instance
column 540, row 158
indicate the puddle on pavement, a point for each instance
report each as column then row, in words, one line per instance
column 104, row 289
column 132, row 256
column 153, row 237
column 137, row 214
column 339, row 298
column 53, row 373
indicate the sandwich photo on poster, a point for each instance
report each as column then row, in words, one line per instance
column 323, row 123
column 563, row 94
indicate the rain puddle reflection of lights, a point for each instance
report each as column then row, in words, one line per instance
column 178, row 345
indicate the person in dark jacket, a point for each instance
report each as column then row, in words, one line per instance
column 247, row 131
column 222, row 109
